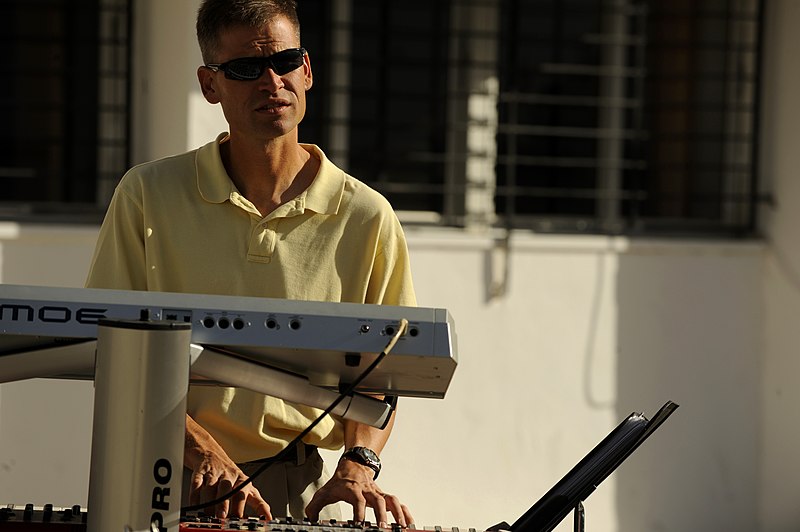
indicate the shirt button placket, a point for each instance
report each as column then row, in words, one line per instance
column 262, row 243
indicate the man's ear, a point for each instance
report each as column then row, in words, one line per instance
column 308, row 80
column 207, row 84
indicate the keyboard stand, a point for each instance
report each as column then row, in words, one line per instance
column 138, row 431
column 142, row 370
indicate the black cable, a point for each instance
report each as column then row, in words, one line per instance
column 291, row 446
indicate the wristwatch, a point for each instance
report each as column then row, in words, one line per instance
column 364, row 456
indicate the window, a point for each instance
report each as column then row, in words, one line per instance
column 609, row 116
column 65, row 102
column 384, row 116
column 629, row 116
column 597, row 116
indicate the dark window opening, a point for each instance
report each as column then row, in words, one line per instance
column 65, row 103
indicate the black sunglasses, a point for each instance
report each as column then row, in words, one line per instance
column 252, row 68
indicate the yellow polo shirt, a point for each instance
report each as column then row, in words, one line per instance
column 180, row 225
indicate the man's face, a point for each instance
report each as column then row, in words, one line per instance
column 266, row 108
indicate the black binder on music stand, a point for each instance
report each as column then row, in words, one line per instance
column 570, row 492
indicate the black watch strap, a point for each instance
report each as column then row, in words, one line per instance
column 364, row 456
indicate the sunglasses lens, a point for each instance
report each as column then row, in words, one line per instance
column 245, row 68
column 286, row 61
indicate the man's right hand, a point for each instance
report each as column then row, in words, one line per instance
column 214, row 475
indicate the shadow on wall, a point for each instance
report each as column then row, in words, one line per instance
column 689, row 331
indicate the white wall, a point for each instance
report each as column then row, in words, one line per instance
column 591, row 329
column 45, row 425
column 588, row 330
column 780, row 435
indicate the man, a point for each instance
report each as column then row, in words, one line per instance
column 256, row 213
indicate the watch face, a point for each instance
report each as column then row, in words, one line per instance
column 366, row 457
column 370, row 455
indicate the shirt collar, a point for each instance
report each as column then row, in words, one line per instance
column 212, row 179
column 323, row 196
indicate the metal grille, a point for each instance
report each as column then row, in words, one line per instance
column 611, row 116
column 65, row 101
column 113, row 106
column 634, row 116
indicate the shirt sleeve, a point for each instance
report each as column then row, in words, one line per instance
column 390, row 281
column 119, row 260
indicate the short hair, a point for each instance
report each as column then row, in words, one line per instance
column 214, row 16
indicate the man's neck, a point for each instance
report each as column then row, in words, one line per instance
column 268, row 174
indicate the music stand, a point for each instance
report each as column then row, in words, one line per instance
column 568, row 494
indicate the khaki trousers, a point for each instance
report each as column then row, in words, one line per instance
column 287, row 486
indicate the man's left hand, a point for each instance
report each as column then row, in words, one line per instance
column 353, row 484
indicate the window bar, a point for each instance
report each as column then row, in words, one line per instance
column 114, row 97
column 340, row 76
column 472, row 113
column 481, row 109
column 755, row 160
column 384, row 87
column 610, row 148
column 637, row 115
column 741, row 87
column 727, row 208
column 454, row 138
